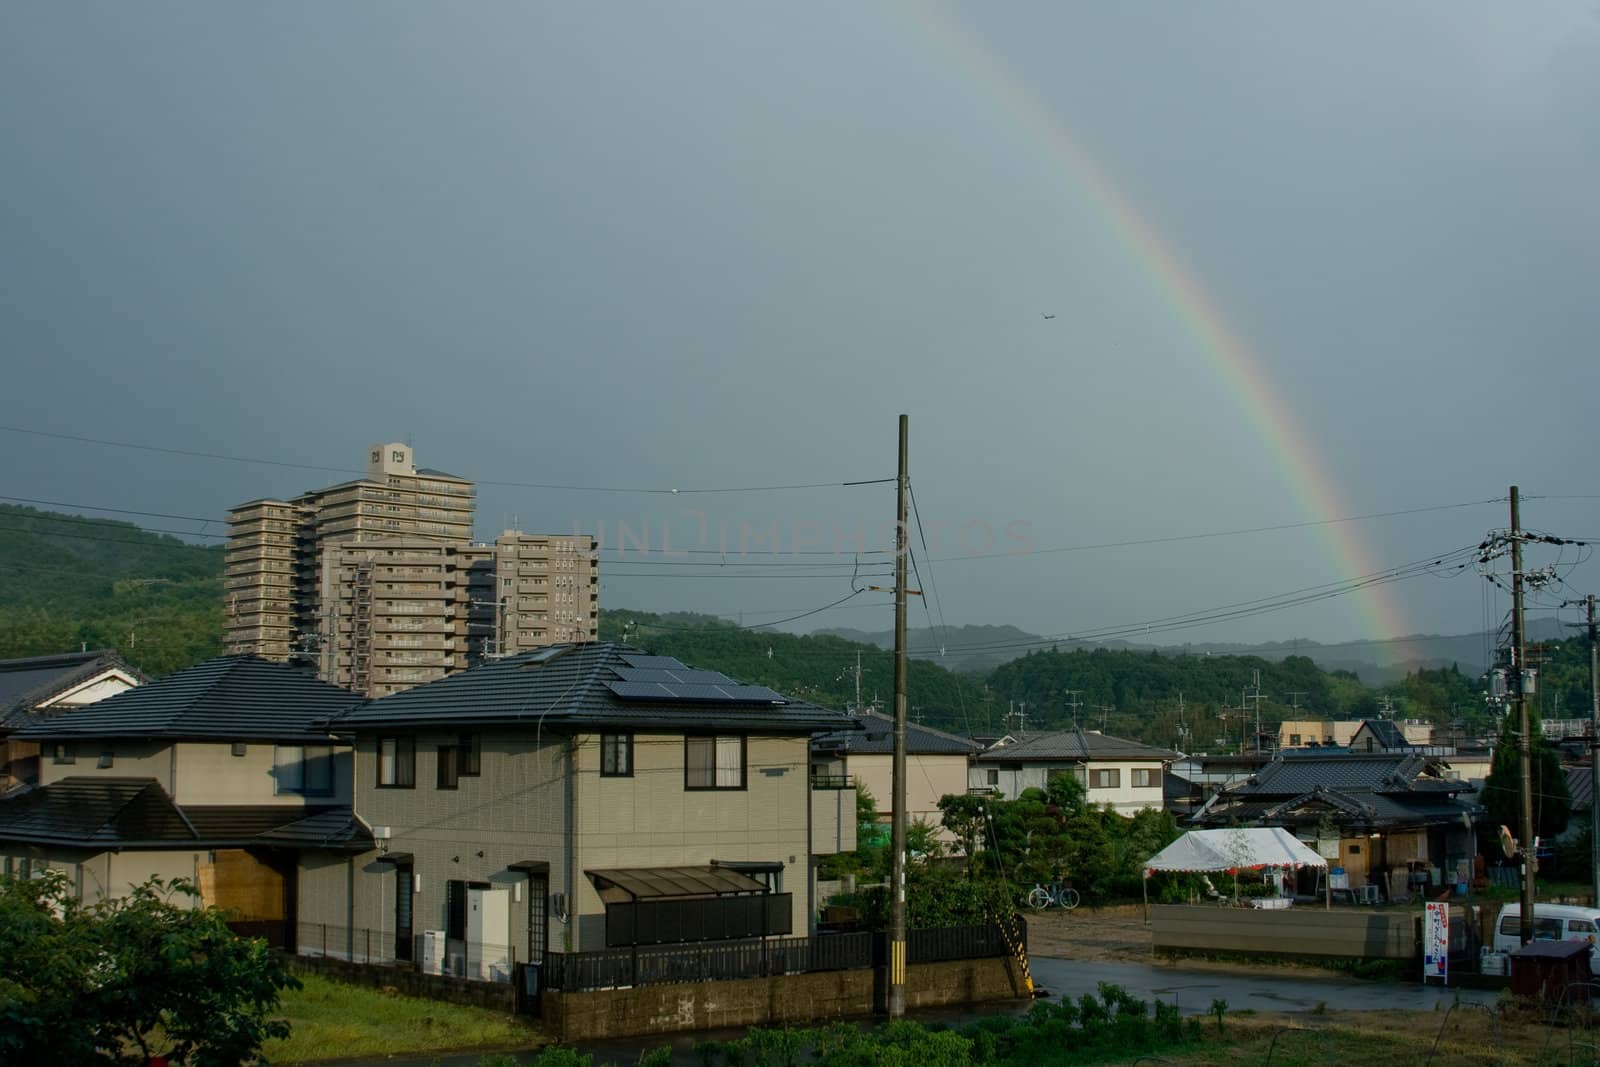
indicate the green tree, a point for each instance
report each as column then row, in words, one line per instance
column 123, row 980
column 1502, row 790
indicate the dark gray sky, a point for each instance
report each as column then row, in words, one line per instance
column 724, row 244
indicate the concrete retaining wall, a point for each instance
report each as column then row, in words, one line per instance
column 1345, row 933
column 496, row 996
column 788, row 999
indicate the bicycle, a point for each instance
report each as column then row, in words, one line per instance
column 1053, row 895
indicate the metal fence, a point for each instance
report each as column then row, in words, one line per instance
column 727, row 960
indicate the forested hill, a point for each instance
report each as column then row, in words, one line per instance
column 67, row 582
column 817, row 667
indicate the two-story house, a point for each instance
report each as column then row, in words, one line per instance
column 40, row 686
column 216, row 774
column 1123, row 775
column 573, row 798
column 936, row 766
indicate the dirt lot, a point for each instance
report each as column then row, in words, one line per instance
column 1112, row 933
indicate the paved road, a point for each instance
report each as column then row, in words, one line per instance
column 1194, row 990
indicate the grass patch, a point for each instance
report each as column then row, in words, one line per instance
column 333, row 1020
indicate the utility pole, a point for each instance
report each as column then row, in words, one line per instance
column 1073, row 704
column 1594, row 753
column 1524, row 741
column 897, row 844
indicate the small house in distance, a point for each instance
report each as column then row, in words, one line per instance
column 1126, row 776
column 37, row 687
column 936, row 766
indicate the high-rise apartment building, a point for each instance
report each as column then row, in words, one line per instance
column 378, row 583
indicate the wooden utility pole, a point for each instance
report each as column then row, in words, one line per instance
column 1519, row 671
column 897, row 840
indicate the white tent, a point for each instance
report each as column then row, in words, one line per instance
column 1245, row 848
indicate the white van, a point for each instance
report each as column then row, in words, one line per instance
column 1551, row 922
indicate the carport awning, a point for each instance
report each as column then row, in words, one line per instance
column 658, row 883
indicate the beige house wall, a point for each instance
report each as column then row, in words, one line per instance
column 194, row 772
column 519, row 809
column 928, row 780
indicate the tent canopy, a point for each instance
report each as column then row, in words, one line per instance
column 1235, row 849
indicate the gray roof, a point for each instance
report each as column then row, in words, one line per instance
column 94, row 812
column 583, row 685
column 1380, row 772
column 24, row 683
column 1078, row 745
column 232, row 697
column 1385, row 733
column 876, row 738
column 1348, row 807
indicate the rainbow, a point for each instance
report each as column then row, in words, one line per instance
column 1239, row 368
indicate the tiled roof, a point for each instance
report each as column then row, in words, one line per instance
column 1360, row 807
column 235, row 697
column 89, row 812
column 1385, row 732
column 570, row 685
column 24, row 683
column 1073, row 745
column 94, row 811
column 1294, row 773
column 338, row 828
column 876, row 738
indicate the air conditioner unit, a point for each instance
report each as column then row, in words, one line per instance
column 382, row 833
column 433, row 952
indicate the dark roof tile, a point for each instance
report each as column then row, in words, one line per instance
column 569, row 685
column 235, row 697
column 1073, row 745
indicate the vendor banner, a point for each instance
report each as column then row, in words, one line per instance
column 1436, row 942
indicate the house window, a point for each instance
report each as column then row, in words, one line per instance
column 470, row 756
column 1144, row 778
column 62, row 753
column 303, row 770
column 449, row 766
column 397, row 762
column 1105, row 779
column 993, row 775
column 1294, row 740
column 713, row 762
column 616, row 755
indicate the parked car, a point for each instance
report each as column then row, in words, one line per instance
column 1551, row 922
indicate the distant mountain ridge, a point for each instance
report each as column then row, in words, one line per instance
column 982, row 648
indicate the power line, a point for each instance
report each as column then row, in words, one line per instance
column 1219, row 533
column 167, row 544
column 118, row 511
column 670, row 491
column 101, row 523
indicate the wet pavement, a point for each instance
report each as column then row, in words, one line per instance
column 1264, row 990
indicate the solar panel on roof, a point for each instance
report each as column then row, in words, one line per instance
column 715, row 693
column 685, row 675
column 754, row 693
column 639, row 690
column 659, row 663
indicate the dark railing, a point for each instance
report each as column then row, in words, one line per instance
column 956, row 943
column 832, row 781
column 727, row 960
